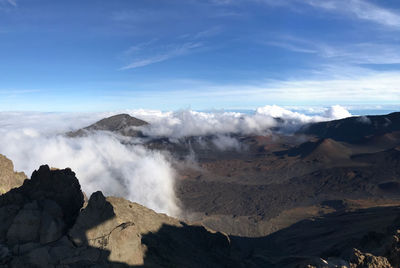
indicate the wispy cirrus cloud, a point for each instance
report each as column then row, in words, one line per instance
column 184, row 44
column 292, row 47
column 374, row 88
column 172, row 52
column 10, row 2
column 363, row 53
column 360, row 9
column 344, row 52
column 6, row 4
column 325, row 85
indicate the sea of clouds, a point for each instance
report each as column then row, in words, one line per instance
column 102, row 162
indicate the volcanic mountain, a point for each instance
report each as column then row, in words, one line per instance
column 123, row 124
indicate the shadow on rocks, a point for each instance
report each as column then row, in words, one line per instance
column 36, row 217
column 43, row 224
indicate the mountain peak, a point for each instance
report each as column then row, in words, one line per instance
column 117, row 123
column 123, row 124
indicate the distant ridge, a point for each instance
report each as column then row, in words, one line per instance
column 121, row 123
column 354, row 129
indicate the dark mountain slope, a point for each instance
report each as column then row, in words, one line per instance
column 354, row 129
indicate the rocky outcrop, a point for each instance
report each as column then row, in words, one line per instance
column 38, row 214
column 359, row 259
column 8, row 177
column 43, row 224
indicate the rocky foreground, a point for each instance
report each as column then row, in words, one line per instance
column 44, row 223
column 47, row 223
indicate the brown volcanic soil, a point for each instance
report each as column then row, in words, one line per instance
column 270, row 185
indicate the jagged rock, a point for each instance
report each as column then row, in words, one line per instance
column 38, row 213
column 8, row 178
column 367, row 260
column 41, row 208
column 59, row 186
column 40, row 223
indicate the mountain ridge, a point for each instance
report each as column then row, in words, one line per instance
column 354, row 129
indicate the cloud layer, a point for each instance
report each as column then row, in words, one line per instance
column 102, row 162
column 186, row 123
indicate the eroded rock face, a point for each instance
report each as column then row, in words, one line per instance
column 37, row 215
column 8, row 178
column 43, row 224
column 57, row 192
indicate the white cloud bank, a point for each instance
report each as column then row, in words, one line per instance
column 102, row 162
column 186, row 123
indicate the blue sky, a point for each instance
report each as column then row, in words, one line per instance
column 168, row 54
